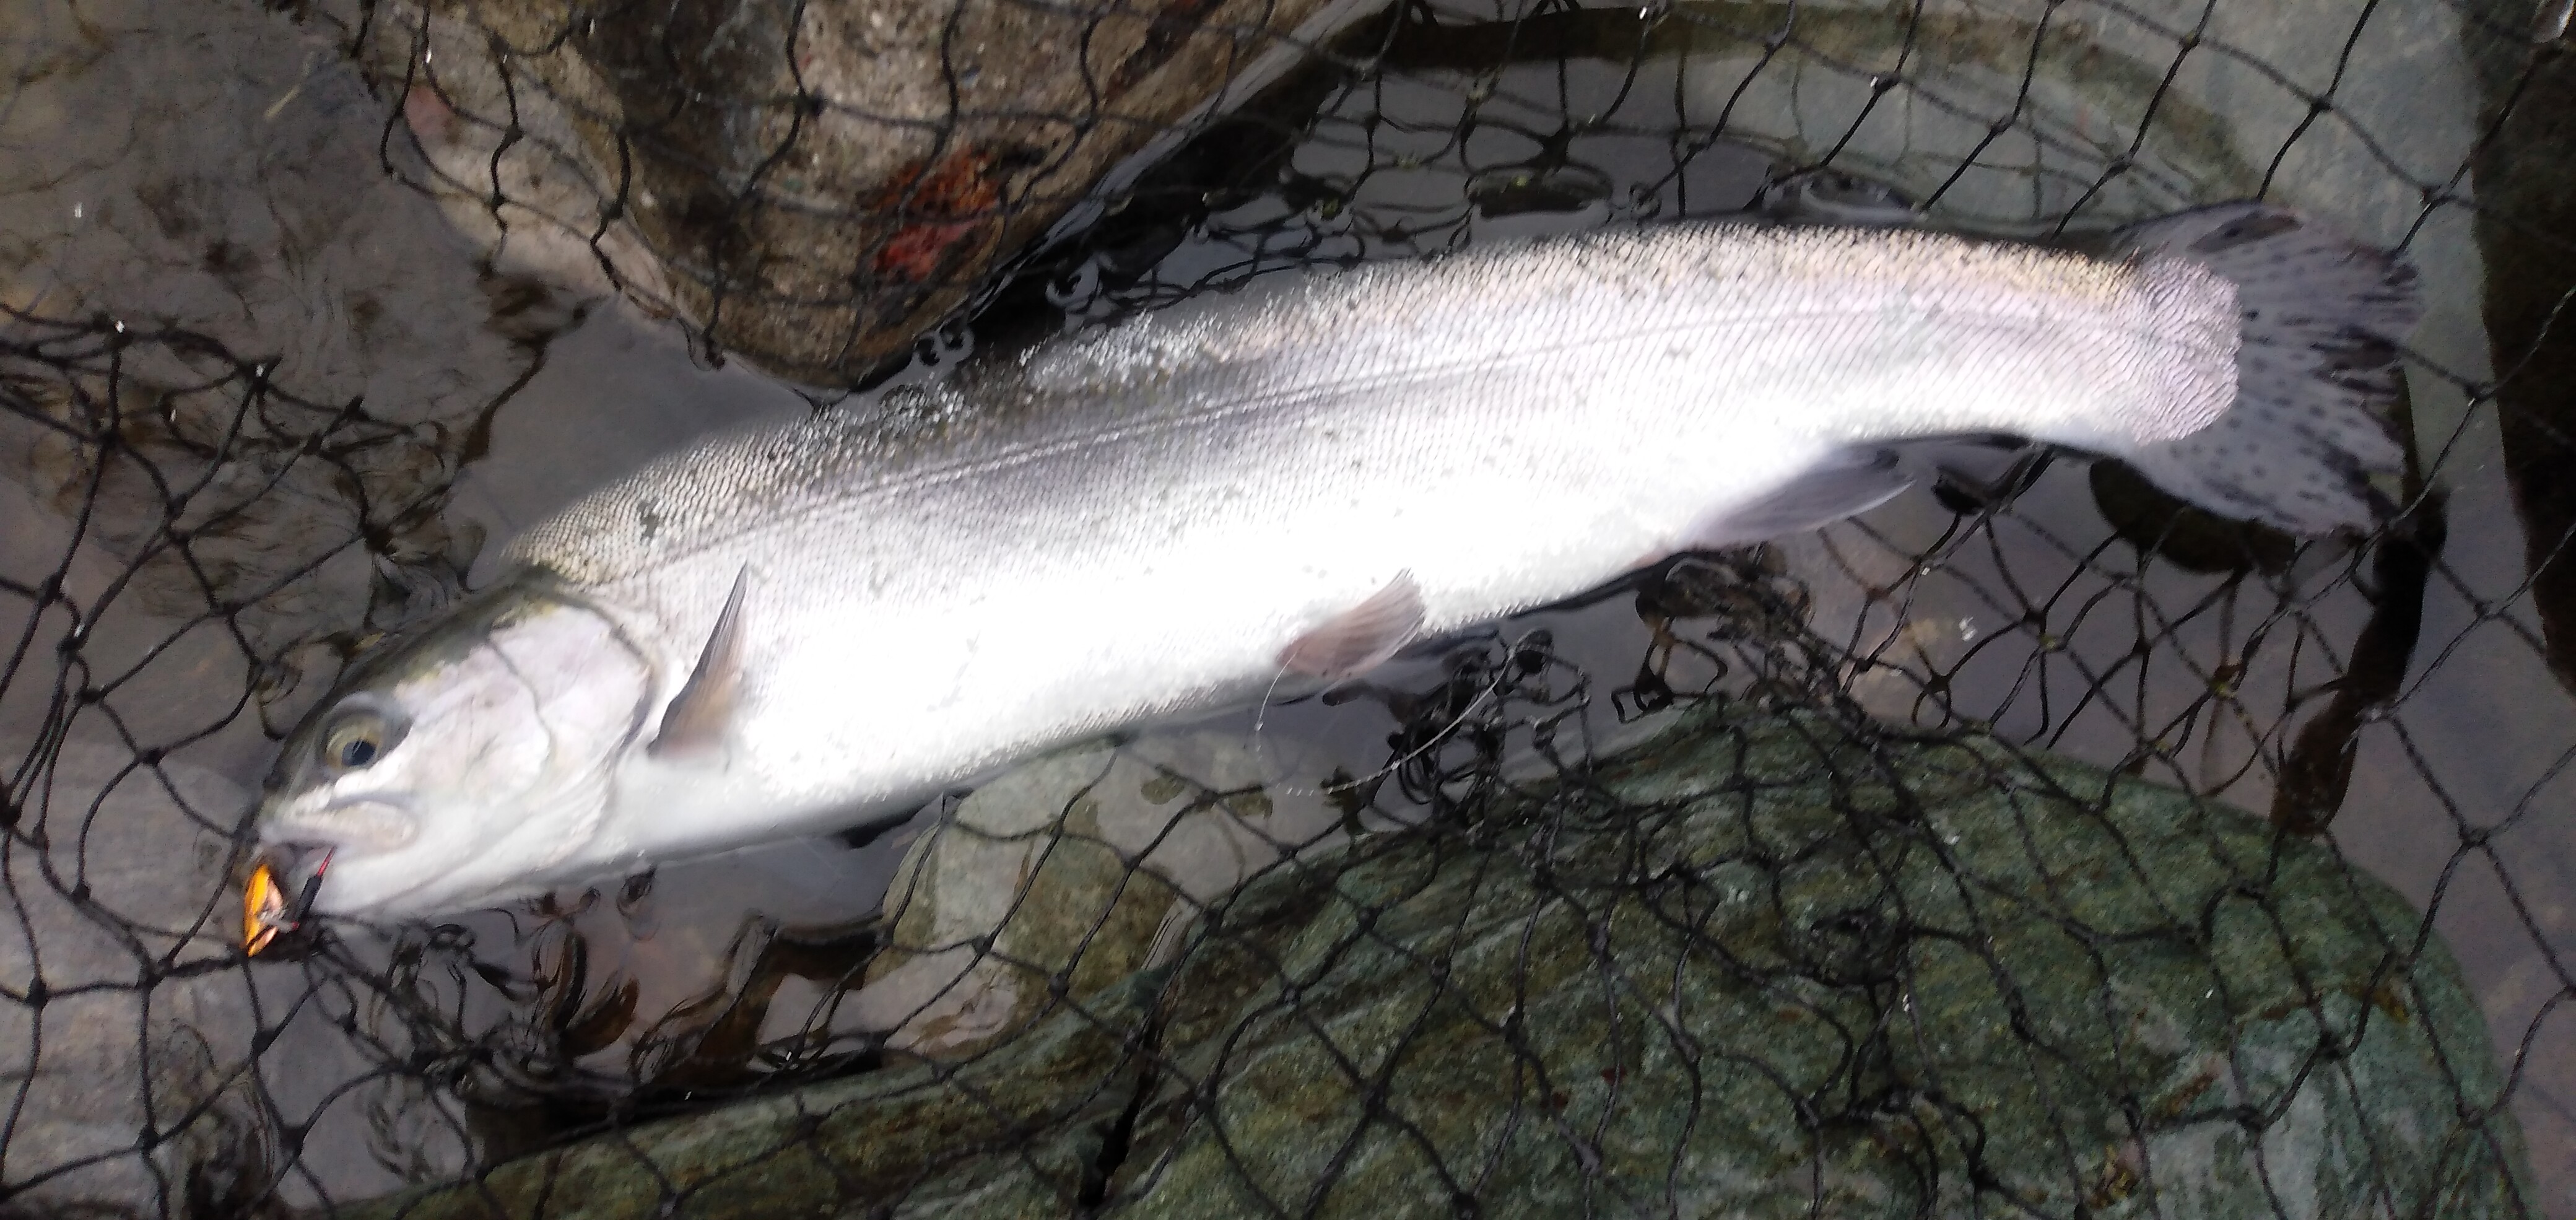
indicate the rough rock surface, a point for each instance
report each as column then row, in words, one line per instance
column 1071, row 873
column 121, row 1030
column 305, row 355
column 810, row 185
column 1764, row 966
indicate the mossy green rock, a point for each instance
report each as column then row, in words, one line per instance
column 1768, row 965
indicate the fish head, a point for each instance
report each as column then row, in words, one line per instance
column 454, row 764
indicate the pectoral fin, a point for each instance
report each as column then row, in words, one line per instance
column 702, row 713
column 1359, row 638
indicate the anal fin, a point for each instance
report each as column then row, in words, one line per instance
column 700, row 715
column 1846, row 483
column 1362, row 637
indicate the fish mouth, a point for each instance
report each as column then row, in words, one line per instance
column 373, row 821
column 277, row 899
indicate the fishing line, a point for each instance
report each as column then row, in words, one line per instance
column 1491, row 693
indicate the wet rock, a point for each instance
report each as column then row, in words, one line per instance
column 810, row 185
column 241, row 357
column 120, row 1074
column 1765, row 965
column 1067, row 875
column 1046, row 886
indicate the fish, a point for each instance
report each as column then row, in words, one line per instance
column 821, row 626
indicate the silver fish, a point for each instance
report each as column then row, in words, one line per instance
column 813, row 627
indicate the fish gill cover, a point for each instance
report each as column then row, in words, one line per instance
column 2031, row 845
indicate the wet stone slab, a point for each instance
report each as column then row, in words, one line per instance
column 121, row 1031
column 1766, row 965
column 808, row 185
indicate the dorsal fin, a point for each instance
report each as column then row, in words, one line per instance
column 702, row 713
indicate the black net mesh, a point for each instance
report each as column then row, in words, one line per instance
column 1865, row 873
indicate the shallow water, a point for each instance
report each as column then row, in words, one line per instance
column 2037, row 621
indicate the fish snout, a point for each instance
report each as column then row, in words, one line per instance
column 277, row 899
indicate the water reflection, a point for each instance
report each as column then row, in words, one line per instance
column 2522, row 168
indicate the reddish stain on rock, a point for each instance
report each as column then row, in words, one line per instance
column 934, row 209
column 428, row 114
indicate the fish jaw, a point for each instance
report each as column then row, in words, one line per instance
column 300, row 835
column 429, row 858
column 377, row 841
column 366, row 822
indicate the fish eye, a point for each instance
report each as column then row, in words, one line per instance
column 353, row 746
column 357, row 742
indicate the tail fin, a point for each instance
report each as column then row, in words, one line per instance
column 2316, row 367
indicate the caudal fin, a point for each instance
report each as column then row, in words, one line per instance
column 2316, row 369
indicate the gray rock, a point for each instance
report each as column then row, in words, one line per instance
column 120, row 1039
column 208, row 176
column 810, row 185
column 1069, row 874
column 1766, row 965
